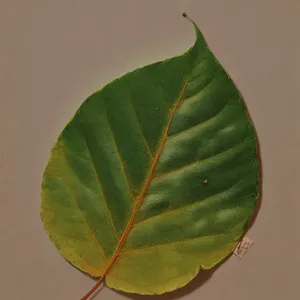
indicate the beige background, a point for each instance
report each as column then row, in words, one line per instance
column 54, row 53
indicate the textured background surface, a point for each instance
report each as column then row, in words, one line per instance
column 53, row 54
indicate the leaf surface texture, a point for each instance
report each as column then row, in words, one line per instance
column 160, row 164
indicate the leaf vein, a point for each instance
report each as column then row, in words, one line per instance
column 119, row 156
column 182, row 207
column 195, row 163
column 190, row 98
column 139, row 126
column 99, row 184
column 169, row 244
column 198, row 125
column 81, row 212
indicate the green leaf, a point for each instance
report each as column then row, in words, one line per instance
column 155, row 177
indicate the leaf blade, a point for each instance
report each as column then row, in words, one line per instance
column 162, row 141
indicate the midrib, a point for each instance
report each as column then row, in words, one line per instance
column 140, row 197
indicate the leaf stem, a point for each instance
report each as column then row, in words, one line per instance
column 95, row 287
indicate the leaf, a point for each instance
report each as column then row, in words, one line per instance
column 155, row 177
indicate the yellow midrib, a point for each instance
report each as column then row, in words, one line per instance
column 140, row 197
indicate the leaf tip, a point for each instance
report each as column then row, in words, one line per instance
column 185, row 15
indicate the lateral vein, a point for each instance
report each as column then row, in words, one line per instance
column 84, row 220
column 100, row 187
